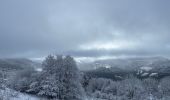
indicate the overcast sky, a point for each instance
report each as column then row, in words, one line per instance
column 84, row 28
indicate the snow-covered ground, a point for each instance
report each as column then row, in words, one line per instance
column 146, row 68
column 9, row 94
column 25, row 97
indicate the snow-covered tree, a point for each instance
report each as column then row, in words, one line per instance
column 49, row 64
column 21, row 80
column 59, row 79
column 47, row 82
column 71, row 88
column 49, row 87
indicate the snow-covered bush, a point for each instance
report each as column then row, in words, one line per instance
column 112, row 88
column 164, row 86
column 49, row 87
column 6, row 94
column 98, row 84
column 151, row 87
column 131, row 88
column 128, row 89
column 102, row 88
column 21, row 80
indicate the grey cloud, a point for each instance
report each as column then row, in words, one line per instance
column 30, row 28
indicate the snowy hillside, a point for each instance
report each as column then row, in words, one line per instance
column 142, row 67
column 9, row 94
column 17, row 64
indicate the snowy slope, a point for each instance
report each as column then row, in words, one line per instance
column 24, row 97
column 9, row 94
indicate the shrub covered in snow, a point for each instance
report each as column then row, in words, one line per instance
column 129, row 89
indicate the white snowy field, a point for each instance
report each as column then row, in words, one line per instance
column 25, row 97
column 9, row 94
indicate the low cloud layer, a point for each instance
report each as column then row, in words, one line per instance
column 86, row 28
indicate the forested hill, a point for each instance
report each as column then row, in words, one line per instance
column 17, row 64
column 141, row 67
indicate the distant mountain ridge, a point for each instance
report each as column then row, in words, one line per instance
column 141, row 67
column 17, row 64
column 126, row 63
